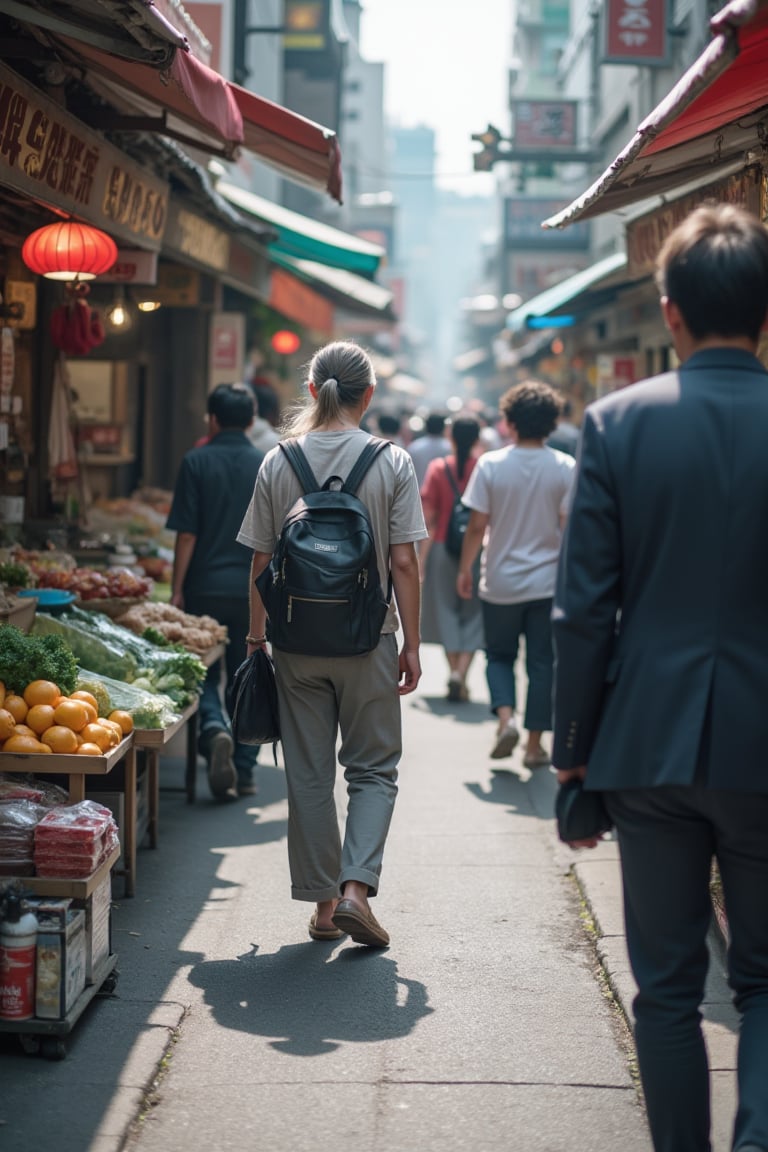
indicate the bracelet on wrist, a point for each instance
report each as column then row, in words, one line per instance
column 255, row 639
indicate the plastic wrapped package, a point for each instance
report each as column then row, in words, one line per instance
column 72, row 841
column 18, row 820
column 43, row 792
column 90, row 650
column 147, row 709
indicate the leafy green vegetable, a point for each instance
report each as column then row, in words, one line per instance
column 26, row 658
column 16, row 575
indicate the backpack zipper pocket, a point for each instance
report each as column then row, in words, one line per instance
column 309, row 600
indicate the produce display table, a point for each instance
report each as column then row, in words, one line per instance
column 45, row 1036
column 151, row 741
column 77, row 768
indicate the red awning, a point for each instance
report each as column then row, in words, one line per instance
column 298, row 147
column 199, row 107
column 195, row 102
column 707, row 124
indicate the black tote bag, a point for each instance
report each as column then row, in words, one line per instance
column 252, row 701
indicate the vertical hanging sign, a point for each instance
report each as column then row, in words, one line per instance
column 636, row 32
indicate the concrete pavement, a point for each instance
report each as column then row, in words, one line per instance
column 486, row 1025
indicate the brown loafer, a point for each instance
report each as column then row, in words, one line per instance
column 360, row 924
column 323, row 933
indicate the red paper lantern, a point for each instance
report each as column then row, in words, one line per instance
column 69, row 251
column 285, row 342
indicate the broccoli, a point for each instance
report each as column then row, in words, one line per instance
column 26, row 658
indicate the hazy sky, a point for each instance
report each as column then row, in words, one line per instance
column 447, row 68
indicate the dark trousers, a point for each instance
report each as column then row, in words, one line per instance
column 668, row 837
column 504, row 624
column 234, row 612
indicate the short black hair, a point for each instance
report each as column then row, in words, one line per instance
column 388, row 425
column 714, row 267
column 232, row 405
column 435, row 424
column 533, row 407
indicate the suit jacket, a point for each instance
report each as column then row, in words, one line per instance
column 661, row 610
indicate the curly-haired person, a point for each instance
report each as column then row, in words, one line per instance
column 519, row 498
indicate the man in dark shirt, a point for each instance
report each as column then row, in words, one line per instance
column 211, row 570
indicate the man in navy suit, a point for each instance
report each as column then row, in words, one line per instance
column 661, row 683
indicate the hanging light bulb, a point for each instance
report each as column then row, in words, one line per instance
column 118, row 316
column 148, row 305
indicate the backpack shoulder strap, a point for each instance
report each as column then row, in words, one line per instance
column 453, row 483
column 298, row 461
column 372, row 449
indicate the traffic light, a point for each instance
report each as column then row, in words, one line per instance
column 489, row 154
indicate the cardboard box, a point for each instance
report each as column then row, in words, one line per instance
column 60, row 969
column 97, row 908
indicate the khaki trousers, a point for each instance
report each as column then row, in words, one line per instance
column 320, row 697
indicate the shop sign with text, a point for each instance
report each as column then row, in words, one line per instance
column 544, row 123
column 636, row 32
column 646, row 235
column 194, row 236
column 47, row 154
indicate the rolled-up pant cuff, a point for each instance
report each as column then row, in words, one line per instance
column 315, row 895
column 362, row 876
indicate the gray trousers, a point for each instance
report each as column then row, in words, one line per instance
column 318, row 698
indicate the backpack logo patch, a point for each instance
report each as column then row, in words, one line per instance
column 321, row 547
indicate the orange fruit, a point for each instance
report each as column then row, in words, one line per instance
column 23, row 730
column 41, row 692
column 124, row 719
column 96, row 734
column 71, row 713
column 16, row 706
column 39, row 717
column 88, row 697
column 87, row 749
column 7, row 724
column 23, row 744
column 60, row 739
column 43, row 748
column 115, row 731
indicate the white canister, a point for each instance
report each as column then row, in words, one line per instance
column 18, row 945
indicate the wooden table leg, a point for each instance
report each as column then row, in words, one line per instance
column 190, row 776
column 129, row 848
column 76, row 787
column 152, row 761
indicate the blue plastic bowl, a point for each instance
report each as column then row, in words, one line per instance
column 49, row 599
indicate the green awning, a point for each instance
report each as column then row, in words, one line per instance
column 306, row 239
column 547, row 303
column 347, row 289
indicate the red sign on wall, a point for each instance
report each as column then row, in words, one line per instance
column 636, row 32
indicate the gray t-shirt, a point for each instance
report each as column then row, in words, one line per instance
column 388, row 490
column 524, row 491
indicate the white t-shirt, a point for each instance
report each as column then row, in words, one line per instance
column 388, row 490
column 524, row 491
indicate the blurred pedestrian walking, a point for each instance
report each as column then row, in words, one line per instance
column 357, row 695
column 431, row 446
column 566, row 435
column 519, row 497
column 210, row 568
column 449, row 619
column 662, row 664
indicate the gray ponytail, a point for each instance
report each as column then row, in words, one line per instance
column 341, row 372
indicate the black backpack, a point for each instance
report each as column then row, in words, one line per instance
column 459, row 519
column 321, row 589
